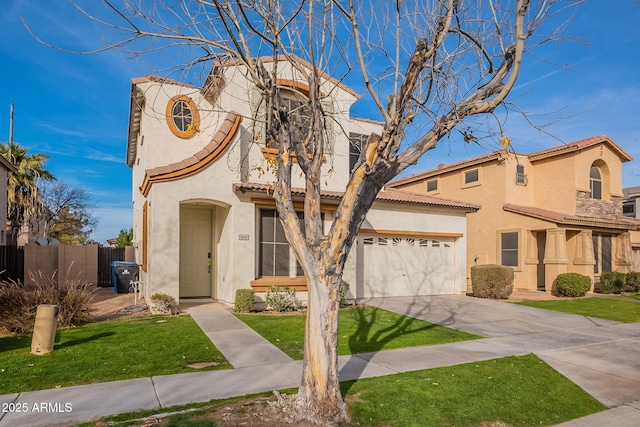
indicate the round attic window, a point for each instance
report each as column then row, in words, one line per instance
column 182, row 116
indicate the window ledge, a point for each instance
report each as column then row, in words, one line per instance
column 264, row 283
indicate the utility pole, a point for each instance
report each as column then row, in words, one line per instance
column 11, row 123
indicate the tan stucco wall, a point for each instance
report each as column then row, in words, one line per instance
column 551, row 185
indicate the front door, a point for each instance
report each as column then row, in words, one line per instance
column 196, row 257
column 541, row 238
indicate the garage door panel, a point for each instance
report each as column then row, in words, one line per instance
column 404, row 266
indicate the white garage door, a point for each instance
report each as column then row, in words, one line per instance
column 405, row 266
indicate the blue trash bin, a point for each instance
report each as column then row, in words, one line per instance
column 123, row 273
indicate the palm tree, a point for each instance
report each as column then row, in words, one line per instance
column 22, row 187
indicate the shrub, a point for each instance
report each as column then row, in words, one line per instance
column 281, row 300
column 18, row 304
column 245, row 300
column 633, row 282
column 344, row 293
column 573, row 284
column 491, row 281
column 612, row 282
column 163, row 304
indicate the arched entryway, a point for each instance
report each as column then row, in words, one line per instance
column 199, row 223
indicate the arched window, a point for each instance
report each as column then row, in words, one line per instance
column 595, row 182
column 297, row 105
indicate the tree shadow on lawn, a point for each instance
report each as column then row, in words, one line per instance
column 364, row 341
column 24, row 341
column 82, row 340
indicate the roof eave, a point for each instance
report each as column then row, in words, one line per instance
column 135, row 115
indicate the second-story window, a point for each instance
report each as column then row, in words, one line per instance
column 471, row 176
column 432, row 185
column 595, row 183
column 356, row 142
column 299, row 113
column 182, row 116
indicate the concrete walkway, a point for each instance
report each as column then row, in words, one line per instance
column 600, row 356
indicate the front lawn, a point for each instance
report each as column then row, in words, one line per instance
column 108, row 351
column 512, row 391
column 603, row 308
column 361, row 330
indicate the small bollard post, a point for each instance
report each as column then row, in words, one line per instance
column 44, row 330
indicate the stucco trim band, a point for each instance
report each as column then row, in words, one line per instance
column 200, row 160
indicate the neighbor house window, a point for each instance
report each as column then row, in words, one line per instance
column 629, row 209
column 182, row 116
column 471, row 176
column 356, row 142
column 602, row 252
column 432, row 185
column 509, row 249
column 274, row 252
column 595, row 183
column 521, row 177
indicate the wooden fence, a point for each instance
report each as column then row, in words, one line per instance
column 86, row 263
column 105, row 257
column 12, row 263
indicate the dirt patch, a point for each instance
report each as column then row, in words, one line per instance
column 252, row 412
column 109, row 305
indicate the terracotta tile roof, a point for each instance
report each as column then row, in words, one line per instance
column 391, row 196
column 538, row 155
column 623, row 223
column 631, row 191
column 579, row 145
column 200, row 160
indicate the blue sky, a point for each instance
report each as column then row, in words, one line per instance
column 75, row 107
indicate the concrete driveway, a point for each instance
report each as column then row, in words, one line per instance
column 601, row 356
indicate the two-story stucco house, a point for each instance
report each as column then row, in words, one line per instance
column 554, row 211
column 205, row 222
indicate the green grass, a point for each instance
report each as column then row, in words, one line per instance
column 517, row 391
column 107, row 351
column 603, row 308
column 361, row 330
column 636, row 296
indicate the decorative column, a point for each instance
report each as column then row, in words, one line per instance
column 555, row 257
column 622, row 255
column 584, row 258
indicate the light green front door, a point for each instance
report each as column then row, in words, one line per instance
column 196, row 256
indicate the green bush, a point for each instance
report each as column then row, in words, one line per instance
column 633, row 282
column 18, row 303
column 281, row 300
column 612, row 282
column 573, row 284
column 245, row 300
column 491, row 281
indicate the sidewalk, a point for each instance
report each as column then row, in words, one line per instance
column 574, row 345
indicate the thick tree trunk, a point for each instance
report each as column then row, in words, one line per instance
column 319, row 399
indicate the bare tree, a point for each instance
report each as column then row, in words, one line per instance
column 64, row 213
column 429, row 67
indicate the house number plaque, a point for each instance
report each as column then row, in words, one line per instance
column 243, row 237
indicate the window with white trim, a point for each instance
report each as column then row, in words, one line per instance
column 356, row 142
column 274, row 252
